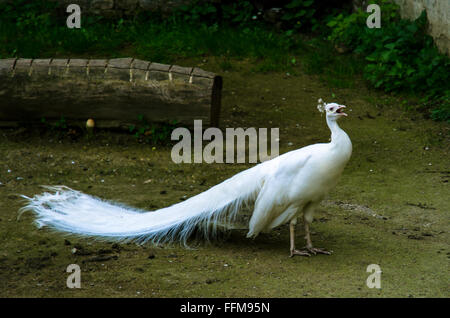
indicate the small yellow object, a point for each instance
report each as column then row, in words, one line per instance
column 90, row 123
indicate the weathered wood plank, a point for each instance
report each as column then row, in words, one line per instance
column 6, row 67
column 115, row 90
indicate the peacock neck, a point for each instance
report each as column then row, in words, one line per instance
column 338, row 137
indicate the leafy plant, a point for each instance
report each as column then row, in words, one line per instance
column 197, row 11
column 211, row 13
column 442, row 112
column 239, row 13
column 350, row 29
column 299, row 13
column 400, row 56
column 59, row 127
column 152, row 133
column 60, row 124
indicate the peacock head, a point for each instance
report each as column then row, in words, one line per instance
column 335, row 111
column 332, row 110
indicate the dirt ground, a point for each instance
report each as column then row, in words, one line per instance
column 390, row 208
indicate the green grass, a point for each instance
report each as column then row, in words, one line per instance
column 337, row 70
column 35, row 32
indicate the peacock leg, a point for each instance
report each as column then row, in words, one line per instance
column 294, row 251
column 309, row 245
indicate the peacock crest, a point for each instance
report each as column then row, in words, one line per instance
column 321, row 105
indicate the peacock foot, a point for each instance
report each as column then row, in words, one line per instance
column 300, row 253
column 316, row 250
column 309, row 251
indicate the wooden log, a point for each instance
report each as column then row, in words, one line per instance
column 115, row 91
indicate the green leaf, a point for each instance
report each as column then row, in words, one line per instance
column 385, row 55
column 332, row 23
column 300, row 13
column 294, row 4
column 390, row 46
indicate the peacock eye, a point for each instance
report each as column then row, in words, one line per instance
column 332, row 108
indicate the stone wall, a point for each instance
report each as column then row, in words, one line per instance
column 438, row 12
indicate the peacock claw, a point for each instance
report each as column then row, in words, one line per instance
column 300, row 253
column 316, row 250
column 309, row 251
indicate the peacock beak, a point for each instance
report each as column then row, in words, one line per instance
column 340, row 110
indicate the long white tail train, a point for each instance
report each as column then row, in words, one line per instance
column 71, row 211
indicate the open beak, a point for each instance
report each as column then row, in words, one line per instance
column 340, row 110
